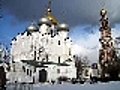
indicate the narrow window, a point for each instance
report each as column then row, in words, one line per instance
column 59, row 42
column 59, row 59
column 69, row 52
column 51, row 32
column 27, row 71
column 30, row 72
column 13, row 68
column 37, row 58
column 58, row 71
column 23, row 68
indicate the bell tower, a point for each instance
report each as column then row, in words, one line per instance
column 106, row 51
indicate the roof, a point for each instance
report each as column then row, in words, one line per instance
column 33, row 63
column 41, row 64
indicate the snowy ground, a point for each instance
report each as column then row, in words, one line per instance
column 101, row 86
column 66, row 86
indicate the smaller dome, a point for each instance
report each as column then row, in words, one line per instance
column 44, row 20
column 63, row 27
column 32, row 27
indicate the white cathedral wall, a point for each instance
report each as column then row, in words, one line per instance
column 22, row 51
column 67, row 71
column 19, row 47
column 53, row 49
column 59, row 50
column 63, row 34
column 43, row 28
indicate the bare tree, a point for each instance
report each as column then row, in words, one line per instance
column 80, row 64
column 4, row 53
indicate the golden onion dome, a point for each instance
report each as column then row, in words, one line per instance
column 51, row 17
column 103, row 12
column 63, row 27
column 32, row 27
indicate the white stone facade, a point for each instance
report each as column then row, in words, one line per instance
column 45, row 44
column 56, row 47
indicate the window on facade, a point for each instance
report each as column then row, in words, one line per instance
column 27, row 71
column 59, row 59
column 34, row 55
column 37, row 58
column 30, row 72
column 58, row 71
column 47, row 57
column 59, row 42
column 23, row 68
column 69, row 51
column 13, row 68
column 86, row 73
column 51, row 32
column 66, row 71
column 34, row 69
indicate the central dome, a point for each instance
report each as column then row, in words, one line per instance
column 51, row 17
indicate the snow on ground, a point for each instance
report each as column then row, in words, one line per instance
column 67, row 86
column 100, row 86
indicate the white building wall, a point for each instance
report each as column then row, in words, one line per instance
column 23, row 49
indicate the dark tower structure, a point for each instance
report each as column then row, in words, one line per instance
column 106, row 51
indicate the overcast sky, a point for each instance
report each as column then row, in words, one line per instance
column 77, row 11
column 81, row 15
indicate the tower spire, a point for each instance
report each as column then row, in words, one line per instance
column 49, row 15
column 49, row 6
column 103, row 4
column 63, row 16
column 33, row 18
column 103, row 12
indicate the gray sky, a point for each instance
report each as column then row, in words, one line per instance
column 77, row 11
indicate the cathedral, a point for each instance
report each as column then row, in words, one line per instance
column 43, row 52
